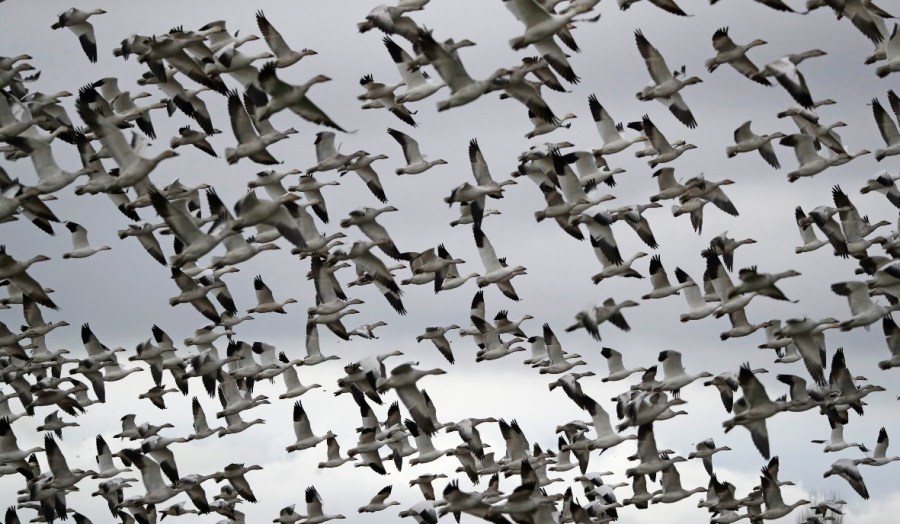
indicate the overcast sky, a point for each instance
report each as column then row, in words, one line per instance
column 122, row 293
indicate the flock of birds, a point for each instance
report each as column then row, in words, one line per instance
column 202, row 71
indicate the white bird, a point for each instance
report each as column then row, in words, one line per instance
column 415, row 162
column 284, row 55
column 80, row 246
column 665, row 86
column 887, row 127
column 302, row 430
column 77, row 22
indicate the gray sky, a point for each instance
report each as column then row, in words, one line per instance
column 122, row 293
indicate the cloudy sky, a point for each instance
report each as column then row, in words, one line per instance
column 122, row 293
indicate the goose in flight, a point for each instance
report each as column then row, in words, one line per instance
column 665, row 86
column 847, row 470
column 77, row 22
column 727, row 52
column 863, row 310
column 436, row 334
column 496, row 271
column 254, row 135
column 417, row 86
column 811, row 163
column 746, row 140
column 791, row 79
column 265, row 300
column 188, row 136
column 665, row 151
column 415, row 162
column 887, row 127
column 463, row 88
column 836, row 441
column 302, row 430
column 284, row 55
column 379, row 501
column 610, row 131
column 541, row 24
column 80, row 246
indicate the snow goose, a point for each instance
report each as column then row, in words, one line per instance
column 557, row 361
column 652, row 461
column 887, row 127
column 415, row 162
column 775, row 506
column 892, row 54
column 727, row 52
column 863, row 311
column 327, row 156
column 674, row 376
column 761, row 283
column 810, row 342
column 671, row 487
column 362, row 166
column 745, row 141
column 541, row 24
column 836, row 441
column 846, row 469
column 52, row 422
column 77, row 21
column 611, row 270
column 334, row 455
column 665, row 86
column 392, row 20
column 200, row 424
column 10, row 453
column 436, row 335
column 884, row 183
column 423, row 512
column 665, row 151
column 253, row 136
column 605, row 437
column 265, row 301
column 417, row 85
column 80, row 246
column 151, row 475
column 879, row 455
column 785, row 71
column 466, row 217
column 51, row 177
column 251, row 210
column 189, row 137
column 609, row 310
column 379, row 501
column 16, row 273
column 365, row 219
column 694, row 298
column 610, row 131
column 425, row 447
column 660, row 281
column 284, row 55
column 133, row 168
column 494, row 348
column 194, row 293
column 892, row 337
column 617, row 370
column 496, row 269
column 705, row 450
column 811, row 163
column 302, row 430
column 382, row 95
column 463, row 88
column 807, row 235
column 752, row 410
